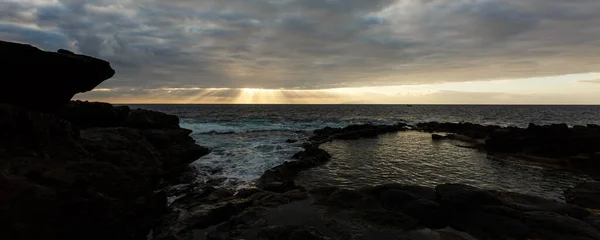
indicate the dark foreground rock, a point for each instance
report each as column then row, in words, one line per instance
column 46, row 81
column 93, row 114
column 59, row 181
column 389, row 211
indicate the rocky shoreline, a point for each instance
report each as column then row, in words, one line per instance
column 82, row 170
column 279, row 209
column 574, row 148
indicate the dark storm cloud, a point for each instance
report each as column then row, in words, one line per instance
column 308, row 44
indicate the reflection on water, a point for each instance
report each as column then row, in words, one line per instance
column 412, row 158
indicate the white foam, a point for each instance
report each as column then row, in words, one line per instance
column 254, row 126
column 244, row 157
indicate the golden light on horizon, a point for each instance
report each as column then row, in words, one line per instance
column 259, row 96
column 530, row 90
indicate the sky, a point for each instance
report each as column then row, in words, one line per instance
column 325, row 51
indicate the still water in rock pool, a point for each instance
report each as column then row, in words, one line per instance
column 413, row 158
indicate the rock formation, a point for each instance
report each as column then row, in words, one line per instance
column 46, row 81
column 570, row 147
column 79, row 170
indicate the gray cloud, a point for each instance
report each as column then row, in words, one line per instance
column 309, row 44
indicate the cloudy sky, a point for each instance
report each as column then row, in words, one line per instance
column 325, row 51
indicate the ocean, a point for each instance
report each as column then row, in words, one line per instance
column 246, row 140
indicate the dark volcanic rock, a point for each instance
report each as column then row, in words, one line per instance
column 585, row 195
column 346, row 198
column 502, row 211
column 484, row 225
column 394, row 199
column 528, row 203
column 57, row 182
column 281, row 178
column 462, row 197
column 550, row 224
column 51, row 78
column 418, row 191
column 93, row 114
column 556, row 140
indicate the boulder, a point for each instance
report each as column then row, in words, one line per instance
column 586, row 195
column 51, row 78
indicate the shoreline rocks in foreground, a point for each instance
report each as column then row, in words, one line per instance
column 58, row 181
column 80, row 170
column 389, row 211
column 279, row 209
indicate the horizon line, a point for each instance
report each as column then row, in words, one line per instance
column 406, row 104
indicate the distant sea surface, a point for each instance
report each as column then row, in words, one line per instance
column 246, row 140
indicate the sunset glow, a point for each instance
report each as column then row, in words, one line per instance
column 544, row 90
column 381, row 51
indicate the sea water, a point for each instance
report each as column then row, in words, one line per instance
column 246, row 140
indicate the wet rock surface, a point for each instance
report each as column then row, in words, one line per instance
column 377, row 212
